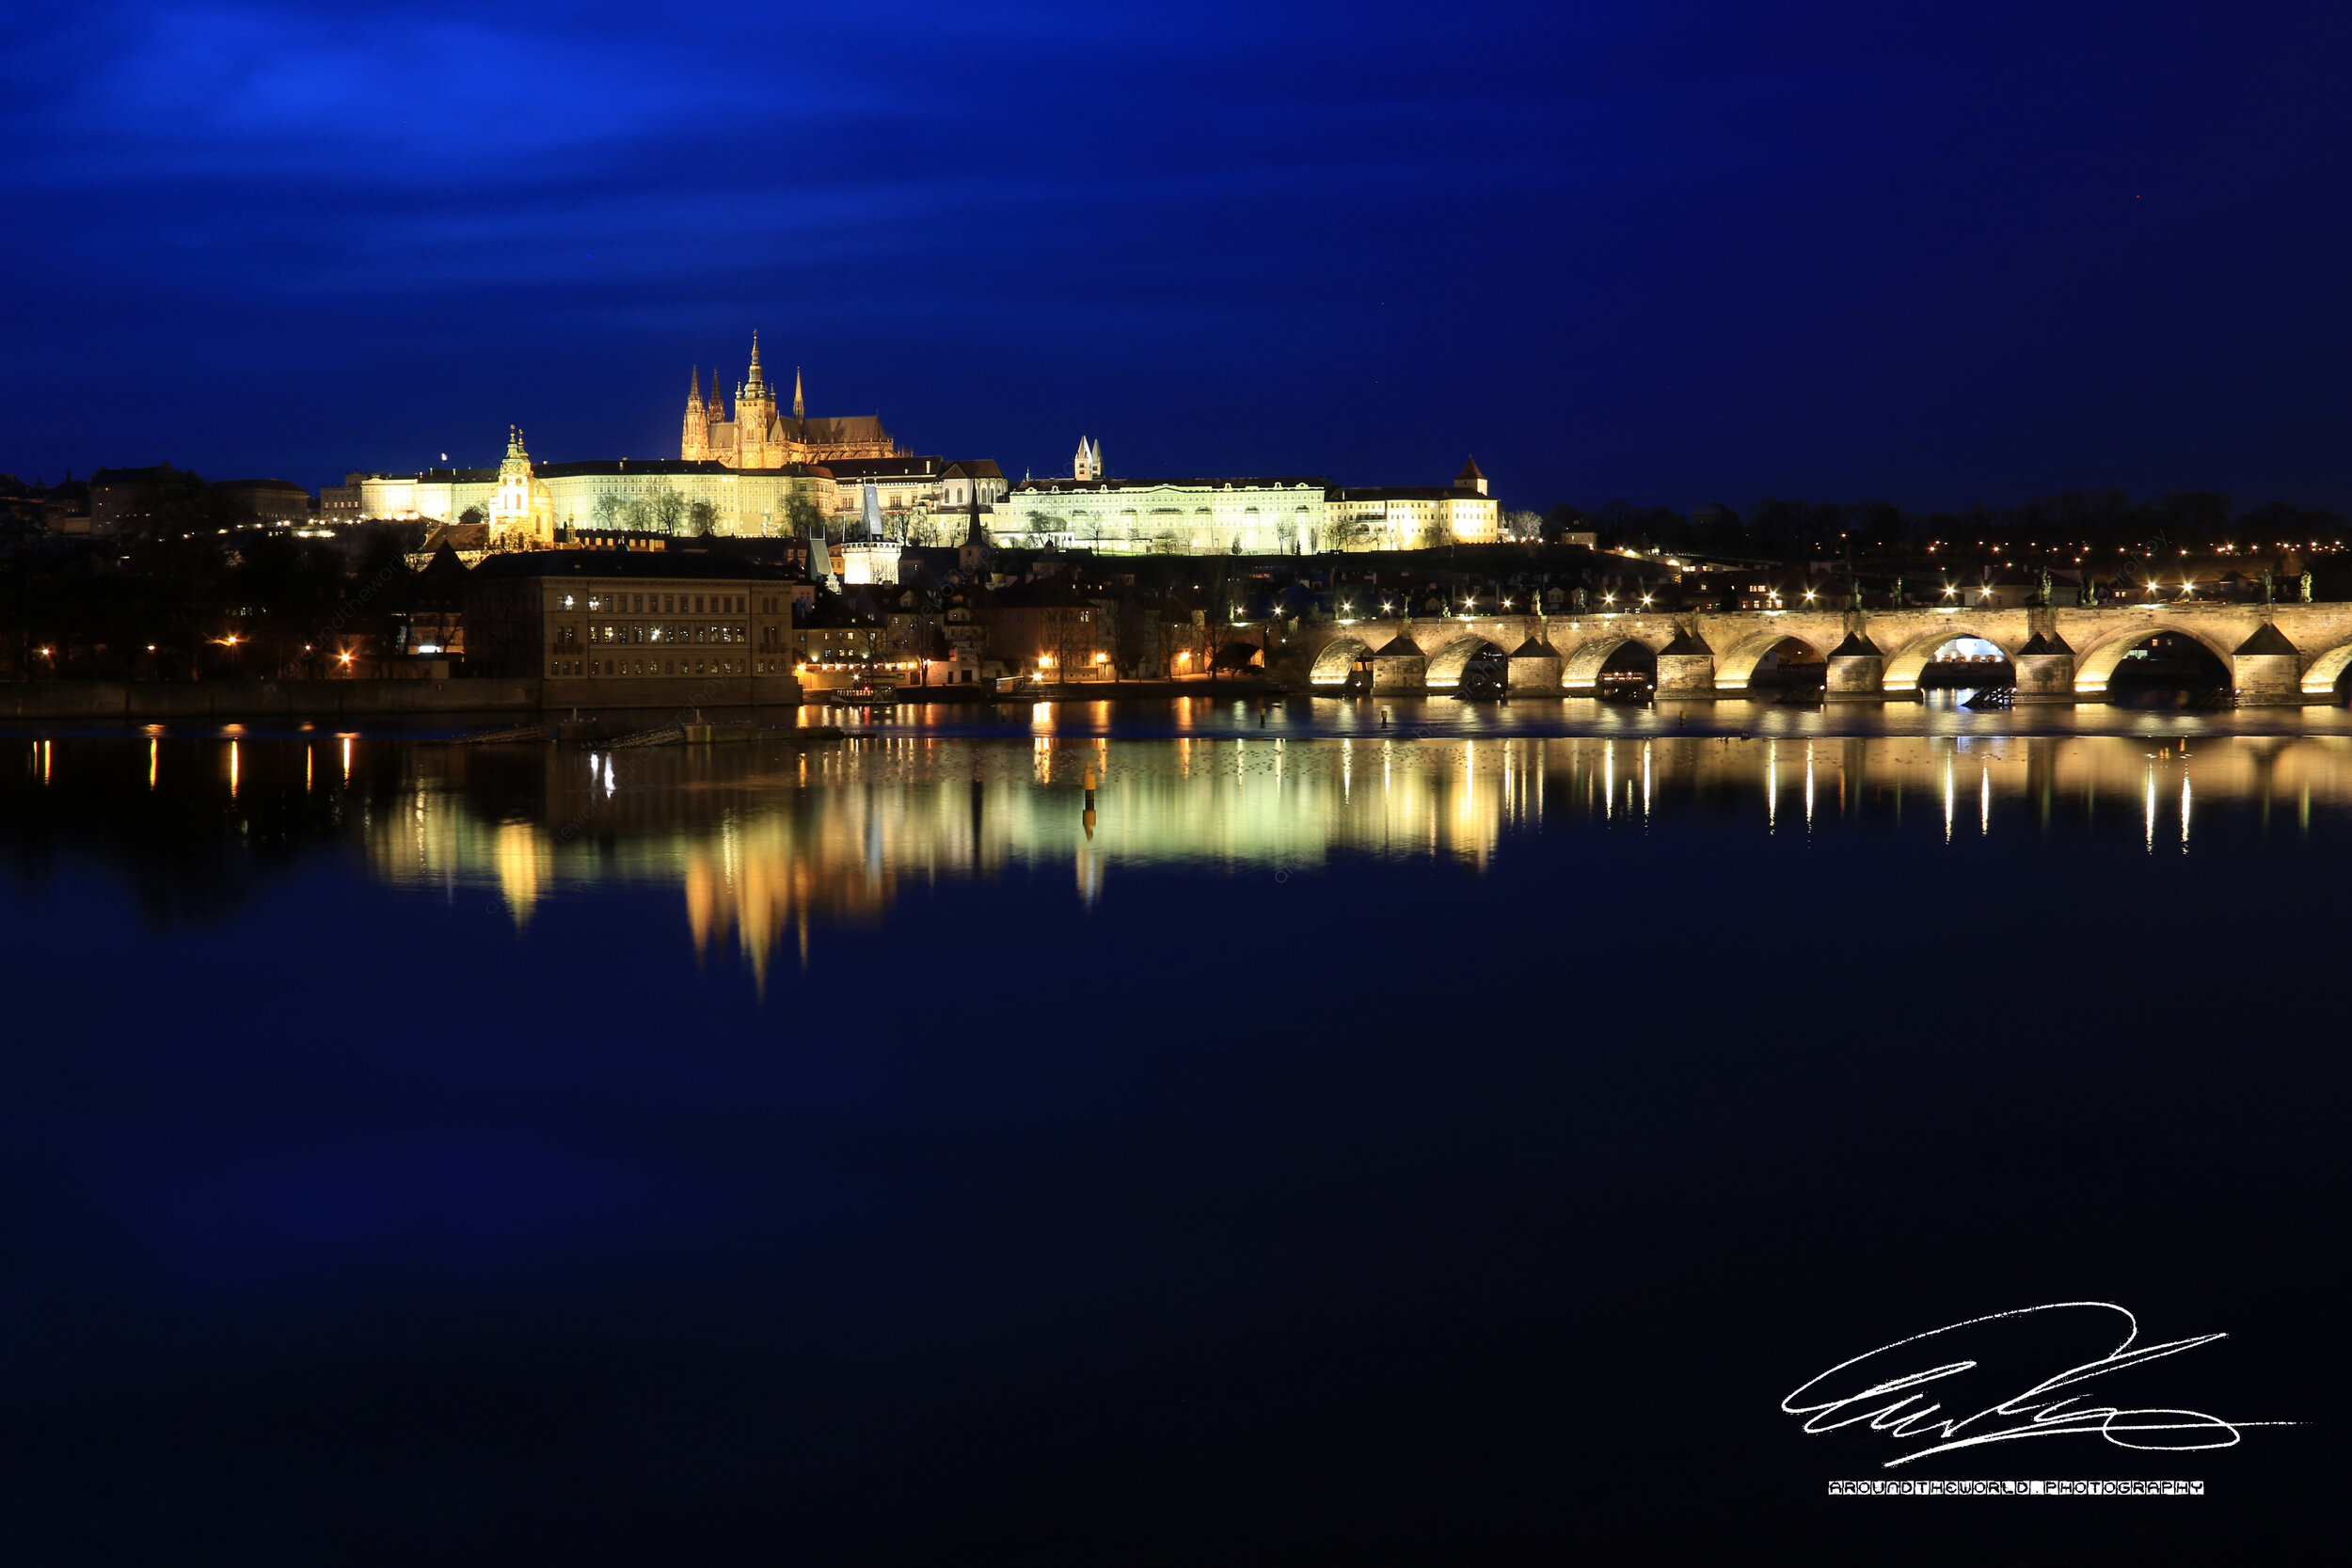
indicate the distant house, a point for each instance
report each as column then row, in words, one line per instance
column 269, row 501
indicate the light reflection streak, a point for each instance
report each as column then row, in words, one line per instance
column 882, row 815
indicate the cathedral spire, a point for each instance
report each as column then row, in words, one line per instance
column 755, row 359
column 798, row 412
column 694, row 386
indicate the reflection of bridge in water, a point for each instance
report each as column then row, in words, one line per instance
column 2271, row 653
column 763, row 848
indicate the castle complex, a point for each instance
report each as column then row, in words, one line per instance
column 753, row 469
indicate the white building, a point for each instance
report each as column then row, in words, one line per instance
column 1251, row 516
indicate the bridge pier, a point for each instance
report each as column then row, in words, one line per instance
column 1858, row 672
column 1686, row 669
column 1399, row 668
column 1533, row 669
column 2266, row 670
column 2046, row 670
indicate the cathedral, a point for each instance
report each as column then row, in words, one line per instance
column 758, row 436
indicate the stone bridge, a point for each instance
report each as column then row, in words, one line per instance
column 2276, row 653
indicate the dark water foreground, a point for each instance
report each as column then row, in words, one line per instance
column 1356, row 1148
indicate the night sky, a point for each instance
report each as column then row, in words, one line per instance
column 1672, row 252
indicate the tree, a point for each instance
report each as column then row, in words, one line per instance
column 800, row 515
column 2195, row 514
column 606, row 513
column 701, row 518
column 664, row 508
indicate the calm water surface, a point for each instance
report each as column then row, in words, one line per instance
column 1446, row 1143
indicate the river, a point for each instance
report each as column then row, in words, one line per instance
column 1170, row 1133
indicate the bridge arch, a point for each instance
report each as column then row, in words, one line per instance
column 1337, row 661
column 1445, row 665
column 2327, row 668
column 1733, row 669
column 1905, row 665
column 2095, row 667
column 1580, row 670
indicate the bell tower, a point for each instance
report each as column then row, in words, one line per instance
column 754, row 412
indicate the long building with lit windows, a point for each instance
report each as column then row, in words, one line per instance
column 1241, row 516
column 632, row 628
column 751, row 469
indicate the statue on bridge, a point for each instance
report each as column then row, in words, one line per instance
column 2306, row 585
column 1899, row 593
column 1856, row 596
column 2090, row 589
column 1580, row 601
column 2267, row 596
column 2045, row 588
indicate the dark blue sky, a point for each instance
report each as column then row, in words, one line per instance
column 1671, row 251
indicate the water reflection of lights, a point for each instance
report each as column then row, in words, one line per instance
column 762, row 846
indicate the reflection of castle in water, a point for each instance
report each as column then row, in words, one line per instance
column 763, row 844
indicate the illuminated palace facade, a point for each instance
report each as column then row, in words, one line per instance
column 748, row 468
column 1089, row 510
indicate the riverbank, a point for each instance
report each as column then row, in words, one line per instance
column 244, row 701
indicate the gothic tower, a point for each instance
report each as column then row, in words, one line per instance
column 754, row 412
column 1082, row 466
column 695, row 445
column 799, row 412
